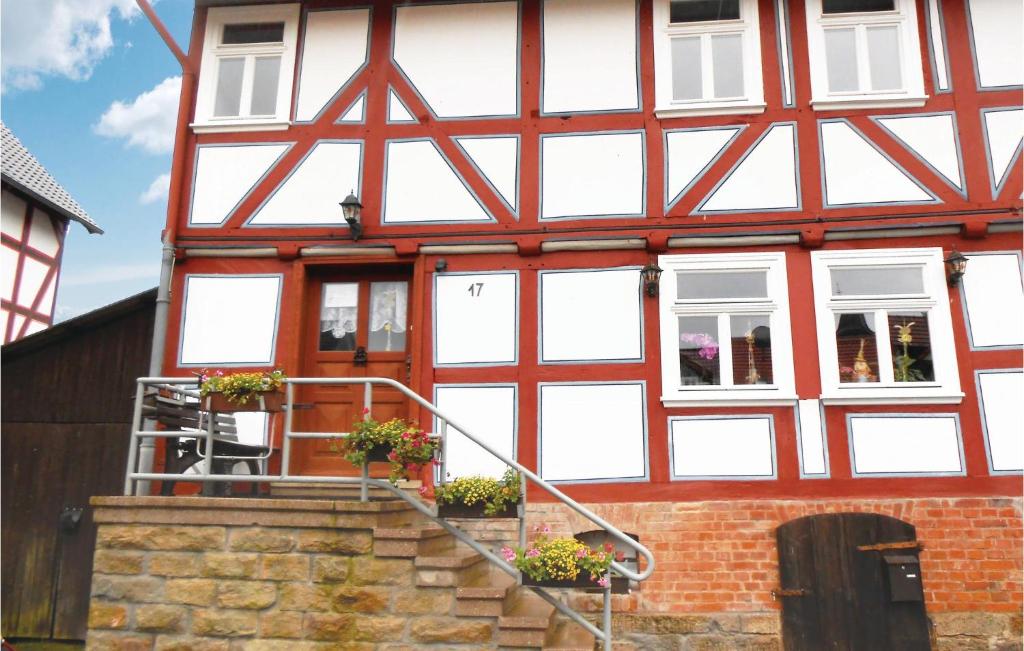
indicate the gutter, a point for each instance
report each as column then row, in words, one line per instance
column 163, row 297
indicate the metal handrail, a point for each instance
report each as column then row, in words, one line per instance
column 138, row 434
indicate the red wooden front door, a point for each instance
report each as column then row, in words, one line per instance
column 356, row 325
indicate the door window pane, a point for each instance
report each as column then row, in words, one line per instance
column 911, row 347
column 856, row 348
column 693, row 11
column 264, row 85
column 698, row 350
column 727, row 62
column 751, row 349
column 339, row 314
column 856, row 6
column 229, row 86
column 884, row 57
column 388, row 309
column 692, row 285
column 243, row 33
column 841, row 60
column 876, row 281
column 686, row 68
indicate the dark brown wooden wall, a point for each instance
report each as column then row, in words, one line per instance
column 66, row 410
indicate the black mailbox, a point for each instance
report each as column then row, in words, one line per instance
column 904, row 574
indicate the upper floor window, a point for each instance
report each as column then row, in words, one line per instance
column 884, row 327
column 707, row 57
column 864, row 52
column 248, row 60
column 725, row 328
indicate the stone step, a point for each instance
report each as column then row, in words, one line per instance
column 450, row 570
column 565, row 635
column 484, row 596
column 525, row 621
column 410, row 542
column 340, row 491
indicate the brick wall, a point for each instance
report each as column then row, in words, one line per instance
column 717, row 564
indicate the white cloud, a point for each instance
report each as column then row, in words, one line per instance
column 64, row 38
column 157, row 190
column 146, row 122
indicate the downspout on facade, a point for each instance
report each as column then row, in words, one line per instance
column 147, row 447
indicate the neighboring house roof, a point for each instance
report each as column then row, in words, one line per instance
column 20, row 168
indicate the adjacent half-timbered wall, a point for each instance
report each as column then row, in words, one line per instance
column 31, row 246
column 533, row 129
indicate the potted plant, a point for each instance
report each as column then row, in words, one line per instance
column 406, row 447
column 250, row 391
column 561, row 562
column 479, row 497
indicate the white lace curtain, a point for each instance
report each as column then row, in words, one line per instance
column 340, row 308
column 388, row 304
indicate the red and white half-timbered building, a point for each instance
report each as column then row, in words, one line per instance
column 36, row 214
column 800, row 171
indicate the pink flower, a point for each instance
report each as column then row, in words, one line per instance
column 392, row 456
column 417, row 443
column 366, row 410
column 423, row 490
column 406, row 436
column 219, row 373
column 412, row 467
column 533, row 553
column 608, row 547
column 620, row 556
column 581, row 553
column 604, row 582
column 545, row 529
column 508, row 553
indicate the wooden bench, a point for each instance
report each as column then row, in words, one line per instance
column 174, row 412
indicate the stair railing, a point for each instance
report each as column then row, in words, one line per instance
column 205, row 474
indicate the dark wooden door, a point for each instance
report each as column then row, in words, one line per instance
column 357, row 325
column 846, row 603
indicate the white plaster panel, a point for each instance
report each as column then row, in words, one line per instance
column 932, row 137
column 997, row 41
column 252, row 427
column 475, row 318
column 12, row 215
column 766, row 177
column 690, row 152
column 310, row 195
column 812, row 437
column 33, row 273
column 19, row 321
column 498, row 160
column 857, row 173
column 590, row 315
column 397, row 111
column 41, row 235
column 421, row 186
column 224, row 175
column 489, row 414
column 4, row 314
column 34, row 327
column 8, row 267
column 1004, row 418
column 728, row 447
column 995, row 300
column 591, row 64
column 902, row 444
column 354, row 114
column 592, row 431
column 230, row 319
column 334, row 48
column 463, row 57
column 592, row 175
column 1004, row 130
column 46, row 304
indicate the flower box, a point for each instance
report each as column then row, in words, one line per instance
column 581, row 582
column 378, row 454
column 271, row 401
column 475, row 511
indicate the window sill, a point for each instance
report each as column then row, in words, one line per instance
column 240, row 125
column 729, row 399
column 868, row 101
column 698, row 110
column 891, row 397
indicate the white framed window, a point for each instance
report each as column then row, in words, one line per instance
column 248, row 66
column 725, row 334
column 707, row 57
column 865, row 53
column 884, row 329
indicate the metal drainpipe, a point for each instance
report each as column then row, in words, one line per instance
column 147, row 446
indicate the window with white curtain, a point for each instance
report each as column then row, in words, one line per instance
column 864, row 52
column 707, row 57
column 248, row 60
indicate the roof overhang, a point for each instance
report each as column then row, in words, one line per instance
column 49, row 205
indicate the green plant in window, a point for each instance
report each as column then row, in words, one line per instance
column 494, row 494
column 902, row 363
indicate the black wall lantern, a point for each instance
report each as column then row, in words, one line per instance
column 651, row 274
column 956, row 265
column 351, row 208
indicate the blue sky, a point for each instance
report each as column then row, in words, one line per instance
column 60, row 96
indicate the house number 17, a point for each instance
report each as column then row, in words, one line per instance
column 475, row 289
